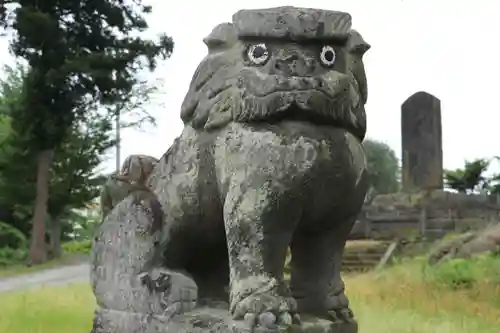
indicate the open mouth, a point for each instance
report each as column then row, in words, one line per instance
column 298, row 113
column 273, row 84
column 295, row 91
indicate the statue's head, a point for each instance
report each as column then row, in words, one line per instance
column 137, row 168
column 281, row 63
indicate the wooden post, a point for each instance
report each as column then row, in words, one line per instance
column 364, row 224
column 368, row 228
column 389, row 253
column 423, row 221
column 451, row 217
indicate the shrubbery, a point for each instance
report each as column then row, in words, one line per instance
column 465, row 273
column 10, row 256
column 75, row 247
column 11, row 237
column 13, row 245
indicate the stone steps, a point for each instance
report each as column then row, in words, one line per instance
column 363, row 256
column 359, row 255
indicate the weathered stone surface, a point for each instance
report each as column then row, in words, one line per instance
column 133, row 174
column 270, row 157
column 467, row 245
column 421, row 134
column 293, row 23
column 124, row 252
column 434, row 198
column 429, row 213
column 203, row 320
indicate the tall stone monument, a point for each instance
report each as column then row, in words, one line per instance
column 422, row 142
column 270, row 158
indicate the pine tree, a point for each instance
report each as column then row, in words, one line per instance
column 80, row 52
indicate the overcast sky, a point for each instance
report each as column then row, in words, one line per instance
column 445, row 47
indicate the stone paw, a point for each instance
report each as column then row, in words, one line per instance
column 266, row 313
column 344, row 315
column 160, row 282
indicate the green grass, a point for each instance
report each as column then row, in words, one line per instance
column 403, row 299
column 387, row 319
column 67, row 309
column 413, row 298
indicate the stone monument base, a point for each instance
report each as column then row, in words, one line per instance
column 202, row 320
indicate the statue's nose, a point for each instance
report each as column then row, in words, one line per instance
column 290, row 65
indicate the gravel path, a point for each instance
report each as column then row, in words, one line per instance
column 53, row 276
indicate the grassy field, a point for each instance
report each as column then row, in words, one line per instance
column 404, row 299
column 399, row 300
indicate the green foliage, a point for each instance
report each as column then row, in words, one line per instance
column 13, row 256
column 465, row 273
column 383, row 166
column 13, row 245
column 469, row 178
column 10, row 256
column 80, row 226
column 456, row 273
column 4, row 124
column 11, row 237
column 81, row 54
column 73, row 181
column 494, row 181
column 78, row 247
column 86, row 54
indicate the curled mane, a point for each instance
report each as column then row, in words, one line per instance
column 217, row 93
column 209, row 101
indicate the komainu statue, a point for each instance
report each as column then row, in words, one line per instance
column 270, row 158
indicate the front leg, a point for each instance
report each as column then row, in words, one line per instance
column 317, row 259
column 316, row 281
column 259, row 225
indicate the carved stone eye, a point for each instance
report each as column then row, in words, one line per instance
column 327, row 55
column 258, row 53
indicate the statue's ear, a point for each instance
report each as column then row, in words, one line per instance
column 356, row 44
column 356, row 48
column 221, row 37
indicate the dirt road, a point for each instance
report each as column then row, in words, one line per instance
column 53, row 276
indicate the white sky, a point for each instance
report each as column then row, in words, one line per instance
column 441, row 46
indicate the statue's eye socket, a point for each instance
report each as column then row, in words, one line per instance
column 327, row 55
column 258, row 53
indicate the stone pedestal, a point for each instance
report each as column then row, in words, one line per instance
column 202, row 320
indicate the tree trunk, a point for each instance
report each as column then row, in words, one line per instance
column 38, row 249
column 55, row 238
column 118, row 143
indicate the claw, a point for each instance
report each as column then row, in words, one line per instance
column 285, row 318
column 268, row 322
column 347, row 315
column 250, row 320
column 344, row 315
column 267, row 319
column 332, row 316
